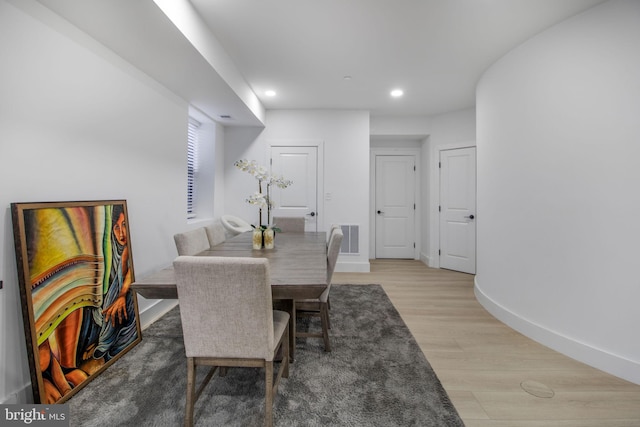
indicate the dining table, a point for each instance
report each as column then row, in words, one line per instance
column 297, row 266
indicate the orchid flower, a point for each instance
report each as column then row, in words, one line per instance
column 262, row 175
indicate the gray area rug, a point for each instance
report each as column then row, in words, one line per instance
column 376, row 375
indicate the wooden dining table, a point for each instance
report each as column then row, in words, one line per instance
column 297, row 265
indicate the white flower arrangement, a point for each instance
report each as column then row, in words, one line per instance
column 260, row 199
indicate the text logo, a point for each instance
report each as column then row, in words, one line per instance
column 35, row 415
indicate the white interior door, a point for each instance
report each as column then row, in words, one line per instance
column 299, row 164
column 457, row 209
column 395, row 206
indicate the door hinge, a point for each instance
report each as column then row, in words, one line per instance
column 414, row 206
column 439, row 208
column 414, row 168
column 438, row 252
column 414, row 245
column 271, row 161
column 440, row 164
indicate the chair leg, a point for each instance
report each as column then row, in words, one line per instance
column 268, row 392
column 191, row 392
column 324, row 317
column 285, row 354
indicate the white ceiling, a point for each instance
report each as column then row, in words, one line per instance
column 436, row 50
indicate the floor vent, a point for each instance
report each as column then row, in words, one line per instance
column 537, row 389
column 350, row 240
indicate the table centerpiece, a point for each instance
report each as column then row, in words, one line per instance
column 263, row 234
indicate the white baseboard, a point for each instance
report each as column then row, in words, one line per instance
column 424, row 258
column 153, row 312
column 353, row 267
column 595, row 357
column 21, row 396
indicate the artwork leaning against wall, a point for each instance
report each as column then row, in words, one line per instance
column 75, row 269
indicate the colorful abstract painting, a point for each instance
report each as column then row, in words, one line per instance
column 75, row 270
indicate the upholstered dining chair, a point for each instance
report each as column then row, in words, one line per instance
column 333, row 228
column 228, row 321
column 235, row 225
column 320, row 306
column 191, row 242
column 289, row 224
column 215, row 233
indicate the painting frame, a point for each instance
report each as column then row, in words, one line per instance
column 75, row 270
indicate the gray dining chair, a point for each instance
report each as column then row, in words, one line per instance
column 215, row 233
column 228, row 321
column 191, row 242
column 289, row 224
column 320, row 306
column 333, row 228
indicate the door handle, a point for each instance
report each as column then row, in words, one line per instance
column 470, row 216
column 311, row 214
column 380, row 212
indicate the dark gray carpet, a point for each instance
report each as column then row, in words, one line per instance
column 376, row 375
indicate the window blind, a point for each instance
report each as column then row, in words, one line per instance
column 192, row 165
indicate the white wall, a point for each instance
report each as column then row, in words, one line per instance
column 218, row 165
column 558, row 174
column 78, row 123
column 345, row 136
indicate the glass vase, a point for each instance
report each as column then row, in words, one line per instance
column 257, row 239
column 268, row 238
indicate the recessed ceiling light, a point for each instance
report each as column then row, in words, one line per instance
column 347, row 77
column 397, row 93
column 270, row 93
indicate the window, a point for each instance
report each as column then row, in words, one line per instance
column 192, row 165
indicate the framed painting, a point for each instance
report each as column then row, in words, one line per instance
column 75, row 269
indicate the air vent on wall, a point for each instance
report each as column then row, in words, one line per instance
column 350, row 240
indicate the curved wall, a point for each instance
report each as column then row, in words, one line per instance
column 558, row 136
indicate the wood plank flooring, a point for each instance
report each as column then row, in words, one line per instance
column 481, row 362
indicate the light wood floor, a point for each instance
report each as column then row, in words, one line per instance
column 481, row 362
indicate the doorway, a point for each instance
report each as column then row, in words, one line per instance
column 395, row 206
column 298, row 163
column 457, row 209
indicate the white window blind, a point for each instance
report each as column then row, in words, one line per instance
column 192, row 165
